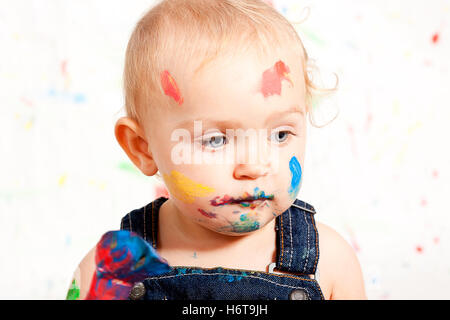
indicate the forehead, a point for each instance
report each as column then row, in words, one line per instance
column 241, row 85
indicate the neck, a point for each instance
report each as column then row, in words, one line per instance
column 178, row 234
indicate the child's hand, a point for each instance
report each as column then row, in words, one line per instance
column 122, row 258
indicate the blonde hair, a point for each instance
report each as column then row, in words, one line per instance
column 180, row 33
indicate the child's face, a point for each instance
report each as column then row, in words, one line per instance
column 244, row 93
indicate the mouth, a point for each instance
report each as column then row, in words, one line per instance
column 246, row 201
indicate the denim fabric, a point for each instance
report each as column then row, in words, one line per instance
column 297, row 253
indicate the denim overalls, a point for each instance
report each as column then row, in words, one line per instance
column 297, row 253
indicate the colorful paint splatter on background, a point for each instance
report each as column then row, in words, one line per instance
column 296, row 173
column 122, row 258
column 271, row 79
column 170, row 87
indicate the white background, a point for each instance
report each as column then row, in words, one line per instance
column 378, row 174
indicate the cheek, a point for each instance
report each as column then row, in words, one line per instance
column 185, row 189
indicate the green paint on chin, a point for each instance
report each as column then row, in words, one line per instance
column 74, row 291
column 244, row 224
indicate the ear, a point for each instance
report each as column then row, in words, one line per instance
column 132, row 140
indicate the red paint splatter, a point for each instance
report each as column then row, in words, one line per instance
column 271, row 82
column 369, row 121
column 27, row 102
column 207, row 214
column 423, row 202
column 435, row 38
column 435, row 174
column 64, row 67
column 419, row 249
column 170, row 87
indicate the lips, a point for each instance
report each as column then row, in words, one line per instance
column 245, row 201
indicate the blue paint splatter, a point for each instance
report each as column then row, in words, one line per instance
column 296, row 172
column 182, row 271
column 261, row 194
column 79, row 98
column 197, row 271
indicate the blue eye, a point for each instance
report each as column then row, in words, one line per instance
column 281, row 136
column 214, row 142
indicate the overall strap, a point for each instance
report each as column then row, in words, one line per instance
column 144, row 221
column 297, row 239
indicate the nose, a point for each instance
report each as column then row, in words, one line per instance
column 250, row 171
column 257, row 158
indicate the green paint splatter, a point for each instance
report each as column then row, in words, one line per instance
column 74, row 291
column 245, row 224
column 129, row 167
column 312, row 36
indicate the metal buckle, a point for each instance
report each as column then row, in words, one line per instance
column 313, row 212
column 271, row 267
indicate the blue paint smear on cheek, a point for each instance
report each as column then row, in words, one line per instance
column 296, row 173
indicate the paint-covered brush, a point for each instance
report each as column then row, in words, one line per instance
column 123, row 258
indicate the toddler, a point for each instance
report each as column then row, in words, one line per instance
column 217, row 94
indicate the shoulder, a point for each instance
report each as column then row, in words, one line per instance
column 340, row 271
column 82, row 276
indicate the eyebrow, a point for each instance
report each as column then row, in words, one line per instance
column 224, row 124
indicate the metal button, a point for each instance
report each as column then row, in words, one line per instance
column 138, row 291
column 298, row 294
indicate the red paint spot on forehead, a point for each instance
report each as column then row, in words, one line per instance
column 170, row 87
column 272, row 78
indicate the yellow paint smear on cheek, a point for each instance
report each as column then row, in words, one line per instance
column 184, row 188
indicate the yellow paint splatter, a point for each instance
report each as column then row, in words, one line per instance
column 396, row 107
column 184, row 188
column 62, row 179
column 401, row 155
column 414, row 127
column 28, row 125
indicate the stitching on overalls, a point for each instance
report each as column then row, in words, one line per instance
column 307, row 239
column 317, row 241
column 282, row 245
column 227, row 274
column 145, row 228
column 153, row 228
column 129, row 219
column 290, row 234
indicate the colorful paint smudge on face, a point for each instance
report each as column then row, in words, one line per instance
column 74, row 291
column 272, row 78
column 170, row 87
column 122, row 258
column 244, row 201
column 184, row 188
column 247, row 222
column 296, row 176
column 207, row 214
